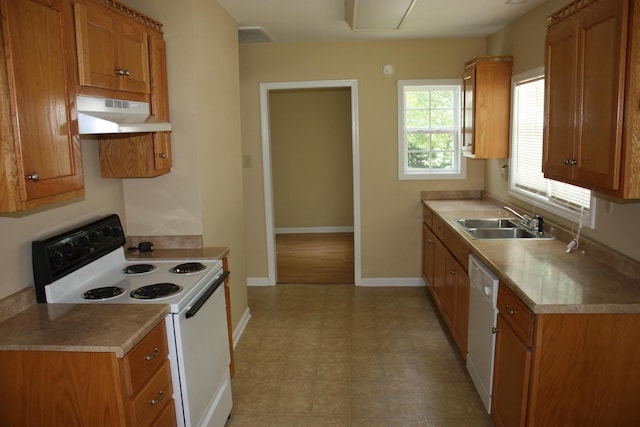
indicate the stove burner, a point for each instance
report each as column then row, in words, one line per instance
column 157, row 290
column 139, row 269
column 188, row 268
column 103, row 293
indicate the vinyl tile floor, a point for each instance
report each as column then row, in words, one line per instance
column 337, row 355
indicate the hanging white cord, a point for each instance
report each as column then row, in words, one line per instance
column 573, row 244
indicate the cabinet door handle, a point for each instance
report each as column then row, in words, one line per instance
column 158, row 399
column 34, row 177
column 156, row 353
column 570, row 162
column 452, row 271
column 120, row 71
column 163, row 155
column 438, row 227
column 495, row 330
column 429, row 241
column 509, row 310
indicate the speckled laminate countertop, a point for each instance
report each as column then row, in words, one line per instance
column 115, row 328
column 540, row 272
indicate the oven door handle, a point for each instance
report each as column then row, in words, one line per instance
column 205, row 296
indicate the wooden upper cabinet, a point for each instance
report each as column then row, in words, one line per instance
column 486, row 110
column 142, row 155
column 40, row 148
column 113, row 52
column 592, row 96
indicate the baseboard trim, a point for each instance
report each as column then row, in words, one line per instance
column 304, row 230
column 371, row 281
column 239, row 330
column 392, row 281
column 258, row 281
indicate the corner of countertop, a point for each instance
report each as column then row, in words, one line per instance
column 17, row 302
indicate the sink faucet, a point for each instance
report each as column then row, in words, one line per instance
column 532, row 224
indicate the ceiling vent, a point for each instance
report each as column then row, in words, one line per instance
column 371, row 15
column 253, row 35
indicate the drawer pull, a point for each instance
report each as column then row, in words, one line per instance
column 156, row 353
column 158, row 399
column 429, row 241
column 452, row 271
column 509, row 310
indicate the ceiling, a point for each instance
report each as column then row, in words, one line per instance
column 322, row 20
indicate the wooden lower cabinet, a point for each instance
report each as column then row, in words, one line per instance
column 576, row 369
column 62, row 388
column 446, row 279
column 512, row 365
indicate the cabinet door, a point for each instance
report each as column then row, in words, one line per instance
column 428, row 252
column 511, row 371
column 468, row 87
column 38, row 36
column 96, row 36
column 560, row 96
column 133, row 57
column 159, row 100
column 439, row 273
column 461, row 327
column 601, row 54
column 452, row 269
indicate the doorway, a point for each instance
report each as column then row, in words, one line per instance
column 270, row 176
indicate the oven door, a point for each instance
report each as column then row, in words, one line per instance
column 203, row 357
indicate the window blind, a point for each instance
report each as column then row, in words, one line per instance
column 528, row 123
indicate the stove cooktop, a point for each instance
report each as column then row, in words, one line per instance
column 110, row 271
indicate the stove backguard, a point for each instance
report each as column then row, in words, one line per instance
column 59, row 255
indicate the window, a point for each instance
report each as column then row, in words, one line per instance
column 429, row 130
column 527, row 181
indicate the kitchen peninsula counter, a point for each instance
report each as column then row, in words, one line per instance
column 540, row 272
column 114, row 328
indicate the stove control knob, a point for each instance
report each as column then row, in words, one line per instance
column 107, row 231
column 84, row 241
column 57, row 258
column 117, row 232
column 95, row 236
column 68, row 249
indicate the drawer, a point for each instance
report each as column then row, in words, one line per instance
column 140, row 363
column 153, row 397
column 427, row 215
column 516, row 313
column 438, row 227
column 457, row 246
column 167, row 417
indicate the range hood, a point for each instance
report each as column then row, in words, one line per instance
column 104, row 115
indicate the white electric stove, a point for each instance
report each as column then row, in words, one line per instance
column 87, row 265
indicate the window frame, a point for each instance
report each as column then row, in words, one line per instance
column 537, row 200
column 459, row 161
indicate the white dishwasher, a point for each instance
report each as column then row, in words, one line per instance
column 483, row 312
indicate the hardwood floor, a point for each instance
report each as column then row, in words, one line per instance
column 315, row 258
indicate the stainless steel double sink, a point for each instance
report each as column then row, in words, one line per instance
column 498, row 228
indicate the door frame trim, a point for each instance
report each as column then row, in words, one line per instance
column 265, row 88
